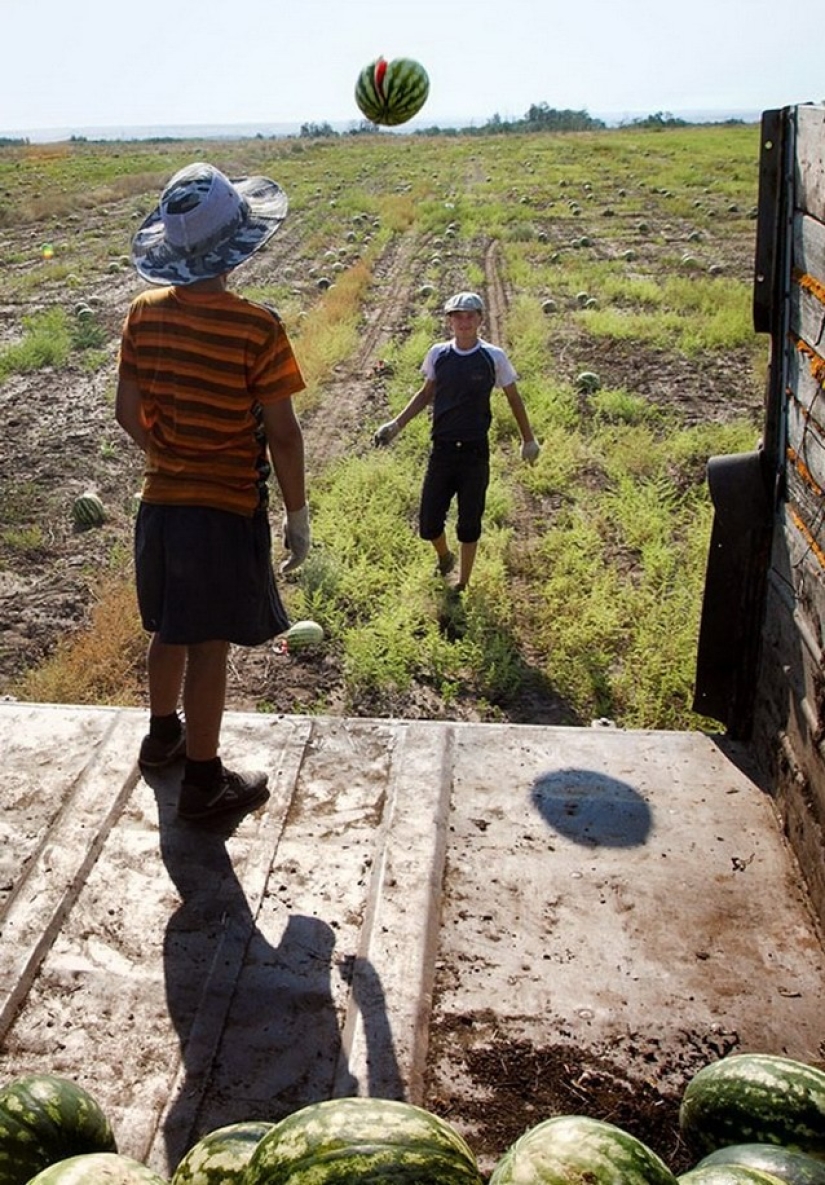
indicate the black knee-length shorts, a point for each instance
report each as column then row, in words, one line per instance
column 206, row 575
column 455, row 470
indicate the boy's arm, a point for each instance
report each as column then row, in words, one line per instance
column 286, row 447
column 129, row 411
column 422, row 397
column 529, row 444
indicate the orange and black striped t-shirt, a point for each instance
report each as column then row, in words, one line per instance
column 206, row 363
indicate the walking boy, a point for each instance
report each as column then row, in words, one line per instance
column 459, row 377
column 205, row 386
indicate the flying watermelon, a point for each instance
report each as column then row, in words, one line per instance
column 392, row 92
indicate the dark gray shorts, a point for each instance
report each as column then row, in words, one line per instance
column 206, row 575
column 458, row 471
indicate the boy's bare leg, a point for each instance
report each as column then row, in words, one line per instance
column 204, row 696
column 165, row 665
column 467, row 557
column 440, row 545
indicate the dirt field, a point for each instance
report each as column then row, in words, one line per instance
column 60, row 438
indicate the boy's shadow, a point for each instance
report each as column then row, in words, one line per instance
column 256, row 1022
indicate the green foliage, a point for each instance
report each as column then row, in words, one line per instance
column 46, row 341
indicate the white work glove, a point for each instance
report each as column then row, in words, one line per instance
column 530, row 449
column 386, row 433
column 296, row 538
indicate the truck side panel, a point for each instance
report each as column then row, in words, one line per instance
column 789, row 704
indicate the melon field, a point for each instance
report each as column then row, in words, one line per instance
column 616, row 267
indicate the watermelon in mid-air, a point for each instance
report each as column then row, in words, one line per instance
column 392, row 92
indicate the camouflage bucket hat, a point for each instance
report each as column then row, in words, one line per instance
column 206, row 225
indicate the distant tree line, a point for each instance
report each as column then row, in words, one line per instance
column 538, row 118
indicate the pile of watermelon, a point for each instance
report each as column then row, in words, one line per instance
column 748, row 1119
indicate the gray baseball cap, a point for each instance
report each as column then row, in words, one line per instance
column 469, row 302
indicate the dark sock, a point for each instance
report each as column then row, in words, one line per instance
column 165, row 728
column 203, row 774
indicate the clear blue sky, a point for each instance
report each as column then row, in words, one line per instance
column 104, row 63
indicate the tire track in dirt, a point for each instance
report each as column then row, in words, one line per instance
column 352, row 403
column 541, row 702
column 496, row 296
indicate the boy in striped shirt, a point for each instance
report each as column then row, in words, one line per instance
column 205, row 386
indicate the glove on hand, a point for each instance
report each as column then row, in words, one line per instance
column 530, row 450
column 386, row 433
column 296, row 538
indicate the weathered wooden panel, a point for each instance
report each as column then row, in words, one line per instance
column 806, row 457
column 806, row 318
column 789, row 703
column 809, row 245
column 789, row 716
column 810, row 160
column 806, row 380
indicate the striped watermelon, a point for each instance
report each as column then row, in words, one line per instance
column 88, row 510
column 98, row 1168
column 728, row 1174
column 303, row 634
column 222, row 1155
column 44, row 1119
column 755, row 1097
column 392, row 92
column 575, row 1149
column 362, row 1141
column 796, row 1168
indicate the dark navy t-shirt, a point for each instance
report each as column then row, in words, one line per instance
column 464, row 382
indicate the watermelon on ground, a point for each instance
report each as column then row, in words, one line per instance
column 221, row 1155
column 574, row 1150
column 795, row 1168
column 363, row 1141
column 88, row 510
column 303, row 634
column 43, row 1119
column 98, row 1168
column 759, row 1097
column 728, row 1174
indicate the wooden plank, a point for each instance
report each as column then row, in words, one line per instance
column 805, row 509
column 806, row 443
column 806, row 387
column 175, row 1130
column 51, row 884
column 809, row 246
column 792, row 765
column 400, row 931
column 799, row 576
column 807, row 318
column 810, row 164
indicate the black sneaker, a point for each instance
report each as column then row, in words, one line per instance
column 446, row 563
column 154, row 754
column 232, row 792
